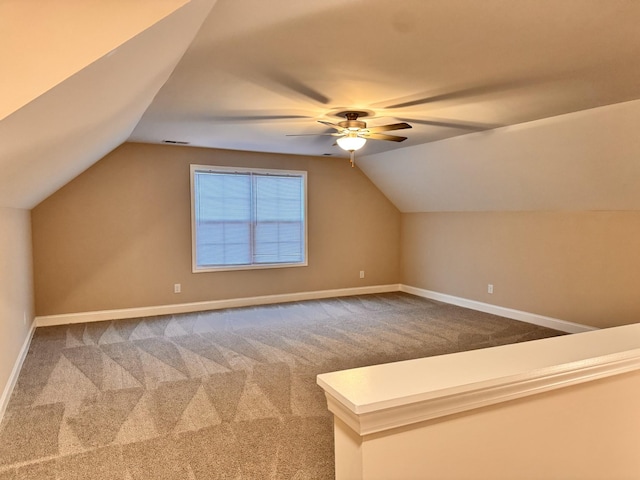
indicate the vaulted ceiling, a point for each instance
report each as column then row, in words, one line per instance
column 61, row 117
column 243, row 74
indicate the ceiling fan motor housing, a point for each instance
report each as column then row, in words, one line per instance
column 352, row 122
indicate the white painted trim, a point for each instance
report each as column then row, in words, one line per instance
column 533, row 318
column 490, row 393
column 136, row 312
column 387, row 396
column 97, row 316
column 15, row 372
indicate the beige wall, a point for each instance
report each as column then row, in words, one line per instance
column 119, row 235
column 562, row 434
column 16, row 290
column 582, row 267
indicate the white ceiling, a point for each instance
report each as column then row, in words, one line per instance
column 58, row 134
column 581, row 161
column 476, row 64
column 448, row 67
column 44, row 43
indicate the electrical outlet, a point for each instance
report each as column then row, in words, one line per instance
column 24, row 318
column 361, row 273
column 490, row 288
column 177, row 288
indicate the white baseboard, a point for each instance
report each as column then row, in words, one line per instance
column 97, row 316
column 533, row 318
column 15, row 372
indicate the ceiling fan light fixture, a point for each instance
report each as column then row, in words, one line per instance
column 351, row 142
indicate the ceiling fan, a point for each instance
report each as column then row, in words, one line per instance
column 353, row 133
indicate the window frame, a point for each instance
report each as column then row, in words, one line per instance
column 245, row 170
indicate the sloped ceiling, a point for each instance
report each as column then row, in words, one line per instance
column 257, row 71
column 509, row 100
column 44, row 42
column 582, row 161
column 79, row 116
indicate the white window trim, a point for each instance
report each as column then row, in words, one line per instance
column 264, row 171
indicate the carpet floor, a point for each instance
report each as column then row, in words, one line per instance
column 227, row 394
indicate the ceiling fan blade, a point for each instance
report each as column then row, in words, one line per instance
column 256, row 118
column 315, row 135
column 477, row 127
column 386, row 128
column 382, row 136
column 256, row 115
column 297, row 86
column 463, row 93
column 332, row 125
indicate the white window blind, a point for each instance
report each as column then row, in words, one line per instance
column 246, row 218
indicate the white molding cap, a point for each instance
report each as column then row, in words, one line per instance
column 381, row 397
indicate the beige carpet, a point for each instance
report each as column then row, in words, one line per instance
column 226, row 394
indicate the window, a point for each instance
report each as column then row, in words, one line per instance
column 247, row 218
